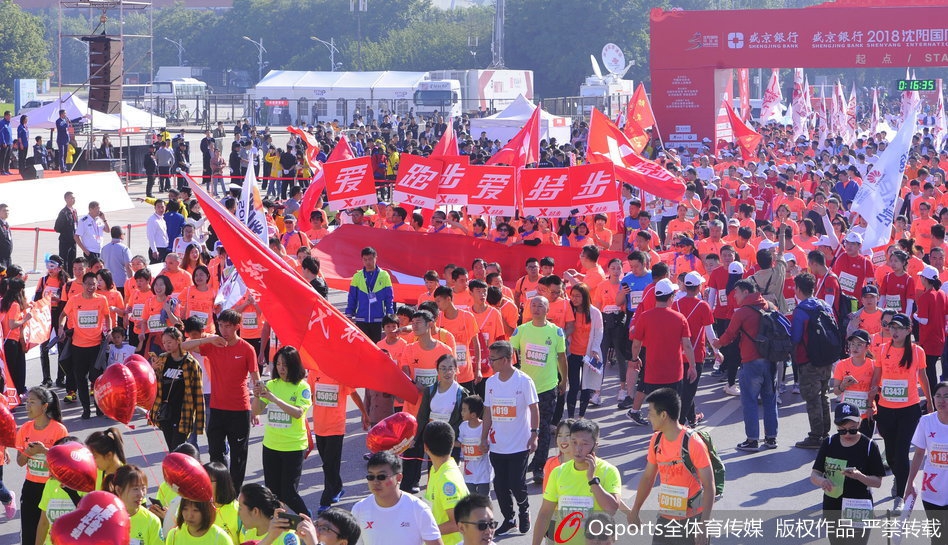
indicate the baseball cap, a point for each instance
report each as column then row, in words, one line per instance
column 736, row 267
column 870, row 290
column 711, row 187
column 789, row 257
column 767, row 245
column 860, row 334
column 901, row 320
column 686, row 241
column 854, row 237
column 693, row 279
column 847, row 412
column 734, row 221
column 825, row 240
column 929, row 272
column 743, row 187
column 665, row 287
column 289, row 217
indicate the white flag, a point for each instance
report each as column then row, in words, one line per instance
column 250, row 210
column 940, row 129
column 232, row 289
column 823, row 118
column 770, row 108
column 796, row 102
column 876, row 118
column 876, row 199
column 851, row 125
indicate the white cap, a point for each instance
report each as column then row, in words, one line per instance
column 854, row 237
column 736, row 267
column 789, row 257
column 693, row 279
column 711, row 187
column 767, row 245
column 734, row 221
column 825, row 240
column 744, row 187
column 665, row 287
column 929, row 272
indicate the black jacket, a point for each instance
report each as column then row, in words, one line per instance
column 65, row 225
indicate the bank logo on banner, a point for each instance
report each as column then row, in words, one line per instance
column 735, row 40
column 546, row 192
column 594, row 188
column 350, row 183
column 492, row 190
column 417, row 182
column 451, row 187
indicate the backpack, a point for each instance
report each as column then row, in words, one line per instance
column 717, row 465
column 773, row 340
column 824, row 344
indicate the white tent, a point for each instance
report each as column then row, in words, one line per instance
column 504, row 125
column 45, row 117
column 133, row 117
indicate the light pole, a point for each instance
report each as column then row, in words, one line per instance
column 180, row 50
column 331, row 44
column 260, row 51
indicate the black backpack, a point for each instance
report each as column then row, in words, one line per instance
column 824, row 344
column 773, row 340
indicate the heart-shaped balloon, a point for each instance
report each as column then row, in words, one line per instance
column 7, row 427
column 72, row 464
column 99, row 519
column 115, row 393
column 187, row 477
column 146, row 383
column 394, row 433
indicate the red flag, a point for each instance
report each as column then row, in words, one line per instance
column 417, row 182
column 491, row 190
column 743, row 85
column 639, row 118
column 594, row 188
column 746, row 137
column 546, row 192
column 448, row 145
column 350, row 183
column 450, row 187
column 300, row 317
column 524, row 148
column 341, row 152
column 608, row 144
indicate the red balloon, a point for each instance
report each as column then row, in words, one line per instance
column 7, row 427
column 99, row 519
column 115, row 393
column 395, row 433
column 72, row 464
column 187, row 477
column 145, row 381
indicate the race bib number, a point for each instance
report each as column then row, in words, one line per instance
column 673, row 500
column 758, row 204
column 327, row 395
column 137, row 311
column 52, row 292
column 893, row 302
column 611, row 309
column 895, row 391
column 858, row 399
column 36, row 465
column 248, row 320
column 471, row 449
column 203, row 316
column 536, row 354
column 58, row 507
column 847, row 282
column 439, row 417
column 857, row 511
column 571, row 504
column 87, row 319
column 938, row 455
column 878, row 258
column 426, row 377
column 504, row 410
column 531, row 294
column 277, row 417
column 462, row 355
column 155, row 323
column 722, row 298
column 636, row 298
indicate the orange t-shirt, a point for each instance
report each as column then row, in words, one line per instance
column 872, row 323
column 14, row 314
column 329, row 404
column 394, row 350
column 560, row 313
column 857, row 394
column 747, row 255
column 672, row 473
column 491, row 328
column 579, row 340
column 463, row 300
column 251, row 321
column 528, row 290
column 200, row 304
column 552, row 463
column 593, row 277
column 36, row 469
column 464, row 328
column 151, row 316
column 422, row 368
column 87, row 318
column 115, row 300
column 179, row 280
column 898, row 386
column 604, row 297
column 135, row 300
column 509, row 313
column 677, row 226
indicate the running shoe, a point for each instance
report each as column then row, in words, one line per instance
column 810, row 442
column 637, row 418
column 505, row 527
column 769, row 443
column 524, row 525
column 734, row 390
column 10, row 506
column 751, row 445
column 70, row 397
column 626, row 403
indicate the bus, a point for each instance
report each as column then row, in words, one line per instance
column 178, row 100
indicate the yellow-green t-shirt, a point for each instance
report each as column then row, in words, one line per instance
column 286, row 538
column 283, row 433
column 56, row 502
column 145, row 528
column 214, row 536
column 227, row 519
column 569, row 489
column 166, row 494
column 446, row 487
column 539, row 349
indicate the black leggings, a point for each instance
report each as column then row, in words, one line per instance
column 29, row 510
column 330, row 450
column 83, row 359
column 16, row 362
column 281, row 474
column 510, row 480
column 575, row 366
column 896, row 427
column 731, row 352
column 931, row 369
column 173, row 437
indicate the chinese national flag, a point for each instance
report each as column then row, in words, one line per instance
column 326, row 339
column 341, row 152
column 746, row 137
column 638, row 118
column 448, row 145
column 524, row 148
column 608, row 144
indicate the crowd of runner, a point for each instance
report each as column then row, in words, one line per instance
column 507, row 362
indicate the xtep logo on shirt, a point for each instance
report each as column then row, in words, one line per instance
column 368, row 524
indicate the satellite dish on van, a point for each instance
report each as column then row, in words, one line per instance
column 596, row 69
column 613, row 59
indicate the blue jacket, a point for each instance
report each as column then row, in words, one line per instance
column 6, row 133
column 23, row 135
column 798, row 325
column 370, row 296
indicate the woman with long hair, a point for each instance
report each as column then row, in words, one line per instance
column 51, row 286
column 225, row 499
column 897, row 290
column 179, row 404
column 585, row 345
column 897, row 379
column 130, row 484
column 108, row 451
column 197, row 301
column 33, row 441
column 256, row 507
column 157, row 315
column 192, row 258
column 929, row 436
column 15, row 314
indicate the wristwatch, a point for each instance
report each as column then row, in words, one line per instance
column 534, row 430
column 594, row 481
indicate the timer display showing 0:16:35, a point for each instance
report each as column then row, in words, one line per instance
column 916, row 85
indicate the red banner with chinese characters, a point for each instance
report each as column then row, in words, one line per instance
column 594, row 188
column 546, row 192
column 451, row 186
column 490, row 190
column 417, row 182
column 350, row 184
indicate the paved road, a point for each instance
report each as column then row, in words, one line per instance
column 761, row 488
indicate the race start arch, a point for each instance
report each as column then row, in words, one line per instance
column 693, row 54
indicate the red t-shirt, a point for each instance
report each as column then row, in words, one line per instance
column 853, row 272
column 932, row 305
column 660, row 329
column 723, row 307
column 895, row 291
column 230, row 366
column 828, row 286
column 698, row 315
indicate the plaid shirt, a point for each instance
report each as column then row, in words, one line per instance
column 192, row 408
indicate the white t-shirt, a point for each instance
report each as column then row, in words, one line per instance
column 932, row 436
column 477, row 468
column 509, row 406
column 442, row 404
column 118, row 355
column 408, row 522
column 705, row 173
column 205, row 378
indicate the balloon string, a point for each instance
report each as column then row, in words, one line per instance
column 151, row 470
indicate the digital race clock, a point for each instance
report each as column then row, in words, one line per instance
column 915, row 85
